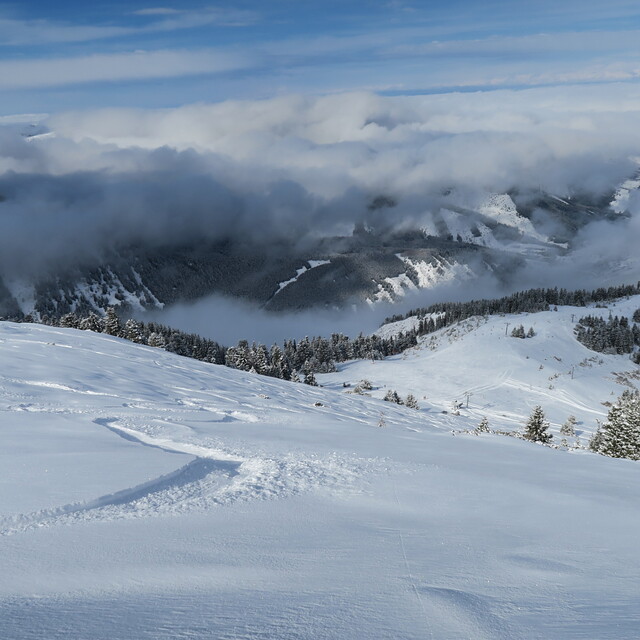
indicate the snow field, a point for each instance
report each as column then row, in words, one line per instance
column 149, row 496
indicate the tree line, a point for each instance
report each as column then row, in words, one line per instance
column 614, row 335
column 529, row 301
column 295, row 360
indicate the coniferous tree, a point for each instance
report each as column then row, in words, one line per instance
column 483, row 427
column 156, row 340
column 537, row 428
column 112, row 324
column 568, row 428
column 518, row 332
column 411, row 402
column 619, row 436
column 92, row 322
column 262, row 362
column 310, row 379
column 392, row 396
column 133, row 331
column 69, row 321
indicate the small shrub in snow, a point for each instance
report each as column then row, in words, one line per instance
column 362, row 387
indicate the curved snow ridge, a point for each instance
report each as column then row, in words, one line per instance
column 257, row 476
column 212, row 479
column 155, row 496
column 57, row 386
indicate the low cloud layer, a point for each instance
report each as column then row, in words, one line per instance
column 294, row 167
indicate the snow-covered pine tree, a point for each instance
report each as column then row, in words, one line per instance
column 156, row 340
column 310, row 379
column 132, row 331
column 70, row 321
column 518, row 332
column 262, row 362
column 92, row 322
column 568, row 428
column 242, row 356
column 112, row 324
column 537, row 428
column 619, row 436
column 278, row 364
column 392, row 396
column 411, row 402
column 483, row 427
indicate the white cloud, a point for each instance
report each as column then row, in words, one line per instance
column 15, row 32
column 30, row 32
column 155, row 11
column 117, row 67
column 294, row 167
column 540, row 43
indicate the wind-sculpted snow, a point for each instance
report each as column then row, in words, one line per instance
column 144, row 495
column 177, row 423
column 213, row 478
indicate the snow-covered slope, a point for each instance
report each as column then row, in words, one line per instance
column 148, row 496
column 478, row 363
column 623, row 194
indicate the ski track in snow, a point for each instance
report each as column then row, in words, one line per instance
column 213, row 478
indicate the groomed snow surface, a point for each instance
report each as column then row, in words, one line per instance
column 144, row 495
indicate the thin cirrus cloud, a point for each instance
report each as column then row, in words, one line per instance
column 117, row 67
column 342, row 59
column 155, row 11
column 14, row 32
column 539, row 43
column 259, row 50
column 30, row 32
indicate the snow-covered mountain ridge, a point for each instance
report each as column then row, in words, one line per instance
column 148, row 495
column 493, row 235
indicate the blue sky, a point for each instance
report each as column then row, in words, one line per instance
column 71, row 54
